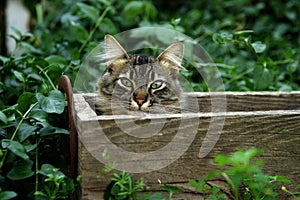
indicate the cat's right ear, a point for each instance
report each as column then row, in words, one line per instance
column 115, row 54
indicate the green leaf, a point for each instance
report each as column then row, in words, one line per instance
column 78, row 32
column 222, row 37
column 3, row 117
column 29, row 147
column 150, row 9
column 196, row 185
column 171, row 189
column 25, row 131
column 56, row 59
column 213, row 174
column 244, row 32
column 263, row 77
column 281, row 179
column 18, row 149
column 49, row 130
column 38, row 114
column 5, row 143
column 39, row 193
column 259, row 47
column 90, row 11
column 16, row 30
column 6, row 195
column 18, row 75
column 4, row 59
column 222, row 160
column 47, row 169
column 21, row 170
column 107, row 26
column 25, row 101
column 133, row 8
column 54, row 103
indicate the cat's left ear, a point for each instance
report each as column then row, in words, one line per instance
column 172, row 56
column 115, row 54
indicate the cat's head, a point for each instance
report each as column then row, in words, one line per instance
column 141, row 82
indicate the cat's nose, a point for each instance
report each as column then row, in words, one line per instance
column 140, row 98
column 140, row 102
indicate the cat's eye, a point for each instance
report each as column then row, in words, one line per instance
column 126, row 82
column 156, row 84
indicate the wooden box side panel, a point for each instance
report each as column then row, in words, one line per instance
column 279, row 139
column 276, row 130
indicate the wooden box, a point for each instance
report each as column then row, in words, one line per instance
column 267, row 120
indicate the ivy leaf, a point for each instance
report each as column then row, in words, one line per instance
column 38, row 114
column 25, row 131
column 21, row 170
column 50, row 130
column 25, row 101
column 17, row 148
column 54, row 103
column 6, row 195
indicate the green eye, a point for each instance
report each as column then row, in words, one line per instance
column 126, row 82
column 156, row 84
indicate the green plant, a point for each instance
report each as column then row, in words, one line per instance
column 207, row 191
column 244, row 176
column 64, row 32
column 29, row 126
column 171, row 191
column 56, row 185
column 124, row 187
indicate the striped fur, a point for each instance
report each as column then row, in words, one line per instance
column 140, row 82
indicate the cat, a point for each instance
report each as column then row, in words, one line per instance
column 140, row 83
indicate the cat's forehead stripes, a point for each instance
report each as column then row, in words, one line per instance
column 143, row 72
column 142, row 59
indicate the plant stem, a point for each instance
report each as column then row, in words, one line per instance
column 16, row 130
column 233, row 186
column 94, row 29
column 36, row 165
column 48, row 78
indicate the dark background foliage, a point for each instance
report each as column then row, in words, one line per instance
column 255, row 45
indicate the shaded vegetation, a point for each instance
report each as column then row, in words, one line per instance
column 255, row 45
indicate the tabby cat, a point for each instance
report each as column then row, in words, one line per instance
column 140, row 82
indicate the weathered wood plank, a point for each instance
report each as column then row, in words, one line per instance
column 268, row 120
column 242, row 101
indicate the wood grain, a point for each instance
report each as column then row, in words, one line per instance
column 267, row 120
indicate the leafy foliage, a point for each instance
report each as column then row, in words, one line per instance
column 56, row 185
column 244, row 176
column 242, row 172
column 252, row 53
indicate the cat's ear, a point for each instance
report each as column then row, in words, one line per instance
column 172, row 56
column 114, row 51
